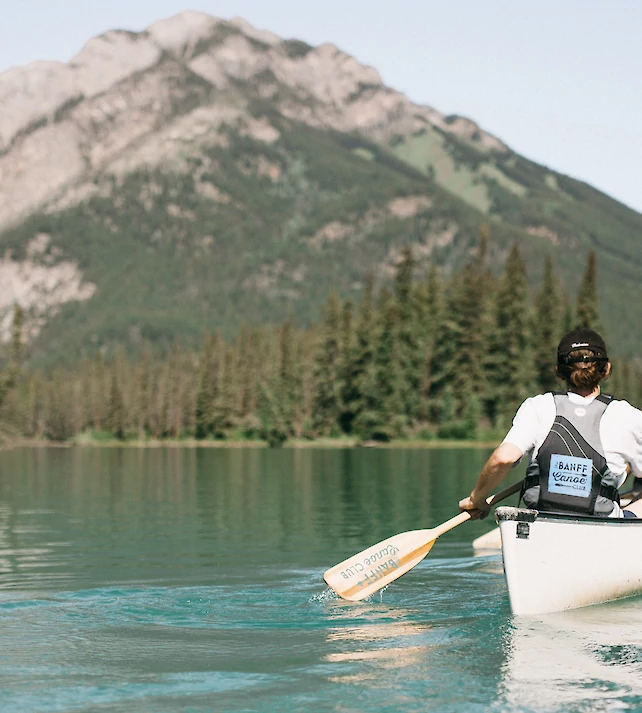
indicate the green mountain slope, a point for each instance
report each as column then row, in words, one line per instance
column 314, row 210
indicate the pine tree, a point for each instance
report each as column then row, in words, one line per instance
column 164, row 400
column 115, row 421
column 587, row 301
column 548, row 328
column 349, row 370
column 459, row 356
column 470, row 305
column 307, row 353
column 99, row 394
column 143, row 395
column 287, row 387
column 443, row 353
column 472, row 417
column 225, row 414
column 327, row 397
column 428, row 300
column 476, row 286
column 208, row 387
column 158, row 386
column 512, row 369
column 36, row 408
column 175, row 392
column 274, row 427
column 273, row 413
column 57, row 419
column 410, row 352
column 447, row 406
column 249, row 346
column 388, row 413
column 363, row 362
column 430, row 310
column 84, row 400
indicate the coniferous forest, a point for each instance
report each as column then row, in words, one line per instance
column 424, row 358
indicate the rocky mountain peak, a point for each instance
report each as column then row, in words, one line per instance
column 180, row 34
column 62, row 123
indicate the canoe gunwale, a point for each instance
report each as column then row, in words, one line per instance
column 506, row 513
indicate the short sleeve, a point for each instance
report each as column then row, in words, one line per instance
column 525, row 428
column 621, row 432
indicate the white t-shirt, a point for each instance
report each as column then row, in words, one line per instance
column 620, row 432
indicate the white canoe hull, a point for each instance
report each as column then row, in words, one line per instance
column 558, row 562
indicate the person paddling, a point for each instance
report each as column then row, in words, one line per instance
column 582, row 442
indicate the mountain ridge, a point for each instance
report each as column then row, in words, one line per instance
column 254, row 172
column 53, row 92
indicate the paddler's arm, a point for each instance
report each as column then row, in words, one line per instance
column 493, row 473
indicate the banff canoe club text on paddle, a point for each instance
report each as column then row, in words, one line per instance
column 359, row 567
column 374, row 575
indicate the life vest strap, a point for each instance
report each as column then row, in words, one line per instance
column 610, row 492
column 604, row 398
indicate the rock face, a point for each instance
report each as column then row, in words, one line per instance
column 40, row 289
column 130, row 99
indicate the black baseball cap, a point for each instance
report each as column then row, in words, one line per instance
column 581, row 339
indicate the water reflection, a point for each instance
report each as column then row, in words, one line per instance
column 124, row 503
column 384, row 643
column 586, row 659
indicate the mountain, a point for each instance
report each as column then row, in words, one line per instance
column 203, row 173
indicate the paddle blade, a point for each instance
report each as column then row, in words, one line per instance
column 374, row 568
column 490, row 541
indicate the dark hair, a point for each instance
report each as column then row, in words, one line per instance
column 584, row 375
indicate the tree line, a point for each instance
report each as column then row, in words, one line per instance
column 433, row 357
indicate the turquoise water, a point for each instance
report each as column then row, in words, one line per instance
column 191, row 581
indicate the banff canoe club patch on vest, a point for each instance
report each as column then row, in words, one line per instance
column 570, row 475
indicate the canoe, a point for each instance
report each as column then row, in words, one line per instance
column 492, row 540
column 559, row 561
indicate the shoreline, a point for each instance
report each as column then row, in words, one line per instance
column 329, row 443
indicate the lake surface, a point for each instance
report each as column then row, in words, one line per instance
column 190, row 580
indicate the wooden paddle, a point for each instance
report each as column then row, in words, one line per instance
column 365, row 573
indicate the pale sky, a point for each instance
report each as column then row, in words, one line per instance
column 560, row 81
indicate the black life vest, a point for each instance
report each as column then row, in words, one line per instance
column 570, row 472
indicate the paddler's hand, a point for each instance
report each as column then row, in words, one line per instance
column 478, row 509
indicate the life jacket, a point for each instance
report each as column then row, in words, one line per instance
column 570, row 472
